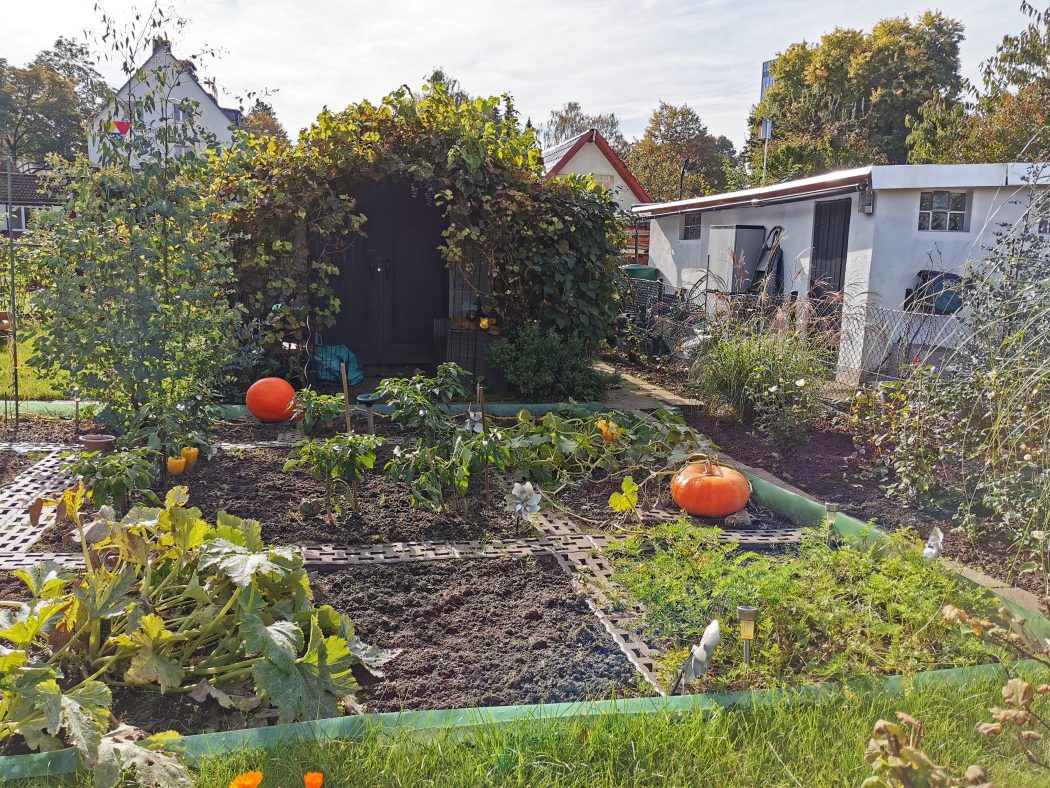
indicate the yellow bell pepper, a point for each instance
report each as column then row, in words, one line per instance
column 190, row 454
column 176, row 465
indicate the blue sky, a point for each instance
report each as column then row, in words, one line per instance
column 610, row 55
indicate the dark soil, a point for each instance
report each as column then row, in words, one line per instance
column 12, row 463
column 251, row 430
column 38, row 429
column 478, row 633
column 252, row 484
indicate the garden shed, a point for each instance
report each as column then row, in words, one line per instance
column 417, row 231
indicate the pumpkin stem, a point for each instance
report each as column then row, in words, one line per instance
column 712, row 467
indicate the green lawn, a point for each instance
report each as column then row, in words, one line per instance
column 32, row 382
column 802, row 745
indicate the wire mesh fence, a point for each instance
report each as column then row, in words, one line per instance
column 860, row 345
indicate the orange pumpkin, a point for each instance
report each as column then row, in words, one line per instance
column 270, row 400
column 707, row 489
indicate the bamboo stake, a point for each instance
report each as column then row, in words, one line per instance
column 346, row 398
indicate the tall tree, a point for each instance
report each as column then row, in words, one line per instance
column 38, row 113
column 262, row 121
column 845, row 101
column 45, row 105
column 675, row 137
column 1007, row 117
column 571, row 121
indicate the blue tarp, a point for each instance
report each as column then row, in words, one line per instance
column 327, row 359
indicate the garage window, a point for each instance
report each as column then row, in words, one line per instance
column 943, row 211
column 691, row 227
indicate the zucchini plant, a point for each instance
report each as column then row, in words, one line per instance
column 172, row 602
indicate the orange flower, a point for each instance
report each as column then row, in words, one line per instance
column 313, row 780
column 247, row 780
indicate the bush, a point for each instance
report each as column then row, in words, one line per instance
column 764, row 374
column 541, row 364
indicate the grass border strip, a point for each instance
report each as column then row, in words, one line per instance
column 199, row 746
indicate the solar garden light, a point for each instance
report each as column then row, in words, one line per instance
column 832, row 510
column 369, row 400
column 748, row 615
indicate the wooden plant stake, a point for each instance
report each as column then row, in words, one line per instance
column 346, row 398
column 484, row 431
column 349, row 427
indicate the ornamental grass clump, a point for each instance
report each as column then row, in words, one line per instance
column 825, row 614
column 764, row 369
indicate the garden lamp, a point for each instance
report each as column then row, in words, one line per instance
column 748, row 615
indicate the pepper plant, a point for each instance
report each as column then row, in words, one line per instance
column 319, row 411
column 338, row 463
column 118, row 478
column 172, row 602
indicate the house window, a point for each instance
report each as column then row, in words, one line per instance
column 942, row 210
column 21, row 215
column 691, row 227
column 606, row 181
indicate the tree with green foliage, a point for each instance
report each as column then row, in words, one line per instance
column 44, row 105
column 571, row 121
column 1007, row 118
column 262, row 121
column 137, row 306
column 675, row 137
column 844, row 102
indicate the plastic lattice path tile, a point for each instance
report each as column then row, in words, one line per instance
column 44, row 479
column 749, row 538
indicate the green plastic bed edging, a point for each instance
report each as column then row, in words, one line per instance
column 800, row 509
column 197, row 747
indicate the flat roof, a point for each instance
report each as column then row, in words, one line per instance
column 891, row 176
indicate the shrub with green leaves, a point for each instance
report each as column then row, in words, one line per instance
column 421, row 403
column 179, row 605
column 824, row 614
column 337, row 463
column 138, row 305
column 544, row 365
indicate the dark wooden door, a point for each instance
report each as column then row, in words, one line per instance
column 830, row 236
column 391, row 282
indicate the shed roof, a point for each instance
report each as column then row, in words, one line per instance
column 877, row 177
column 557, row 156
column 27, row 189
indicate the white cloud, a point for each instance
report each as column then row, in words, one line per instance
column 611, row 55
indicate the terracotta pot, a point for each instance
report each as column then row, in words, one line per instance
column 101, row 443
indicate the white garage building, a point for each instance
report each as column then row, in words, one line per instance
column 871, row 234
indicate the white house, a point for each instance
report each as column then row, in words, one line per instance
column 175, row 89
column 872, row 234
column 590, row 154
